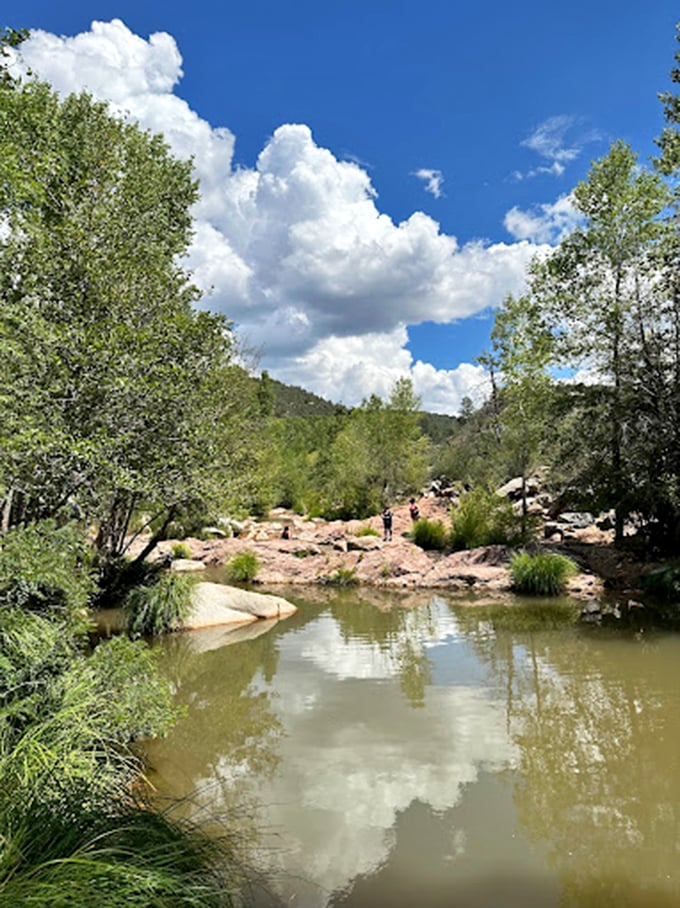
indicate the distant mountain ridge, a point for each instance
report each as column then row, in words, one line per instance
column 292, row 401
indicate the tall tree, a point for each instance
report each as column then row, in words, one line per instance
column 521, row 349
column 597, row 289
column 117, row 395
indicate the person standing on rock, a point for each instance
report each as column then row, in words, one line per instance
column 387, row 525
column 413, row 510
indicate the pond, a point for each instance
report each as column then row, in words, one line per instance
column 437, row 752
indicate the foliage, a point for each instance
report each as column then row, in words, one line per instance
column 367, row 530
column 379, row 454
column 180, row 550
column 521, row 348
column 341, row 577
column 47, row 568
column 74, row 828
column 130, row 856
column 67, row 718
column 118, row 395
column 158, row 606
column 429, row 534
column 483, row 518
column 542, row 574
column 243, row 567
column 601, row 296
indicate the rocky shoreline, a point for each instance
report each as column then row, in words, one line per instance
column 338, row 552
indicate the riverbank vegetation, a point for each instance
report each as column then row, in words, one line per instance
column 125, row 409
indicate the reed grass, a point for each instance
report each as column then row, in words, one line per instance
column 542, row 574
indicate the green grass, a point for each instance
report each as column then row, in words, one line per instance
column 483, row 518
column 243, row 567
column 543, row 574
column 341, row 577
column 180, row 550
column 368, row 531
column 158, row 607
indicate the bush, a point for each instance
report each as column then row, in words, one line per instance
column 46, row 569
column 243, row 568
column 483, row 518
column 429, row 534
column 77, row 829
column 341, row 577
column 159, row 606
column 543, row 574
column 180, row 550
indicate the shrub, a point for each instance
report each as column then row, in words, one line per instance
column 180, row 550
column 429, row 534
column 543, row 574
column 483, row 518
column 77, row 830
column 159, row 606
column 243, row 567
column 47, row 569
column 367, row 530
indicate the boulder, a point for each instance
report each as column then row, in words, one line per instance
column 579, row 520
column 215, row 604
column 364, row 543
column 186, row 565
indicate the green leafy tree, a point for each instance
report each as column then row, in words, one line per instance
column 521, row 349
column 598, row 292
column 117, row 394
column 379, row 455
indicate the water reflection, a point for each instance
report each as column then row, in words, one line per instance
column 447, row 755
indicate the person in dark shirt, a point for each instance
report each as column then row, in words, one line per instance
column 387, row 524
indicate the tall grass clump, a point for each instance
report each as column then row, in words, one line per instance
column 243, row 567
column 368, row 530
column 543, row 574
column 483, row 518
column 429, row 534
column 180, row 550
column 341, row 577
column 158, row 606
column 76, row 826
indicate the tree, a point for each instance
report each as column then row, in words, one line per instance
column 378, row 456
column 521, row 348
column 117, row 395
column 599, row 293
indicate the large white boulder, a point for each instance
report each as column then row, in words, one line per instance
column 215, row 604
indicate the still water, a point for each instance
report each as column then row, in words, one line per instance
column 427, row 752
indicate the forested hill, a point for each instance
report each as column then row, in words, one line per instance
column 291, row 401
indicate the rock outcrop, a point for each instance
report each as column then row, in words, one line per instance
column 215, row 604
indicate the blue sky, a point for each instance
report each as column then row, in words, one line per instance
column 376, row 175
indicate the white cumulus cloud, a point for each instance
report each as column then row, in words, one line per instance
column 547, row 223
column 295, row 249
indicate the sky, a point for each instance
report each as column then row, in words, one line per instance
column 375, row 176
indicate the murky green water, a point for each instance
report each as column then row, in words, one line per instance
column 442, row 755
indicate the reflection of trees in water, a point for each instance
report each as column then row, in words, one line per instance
column 228, row 727
column 399, row 632
column 595, row 721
